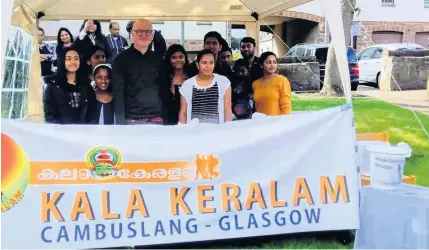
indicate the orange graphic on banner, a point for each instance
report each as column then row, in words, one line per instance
column 104, row 165
column 206, row 167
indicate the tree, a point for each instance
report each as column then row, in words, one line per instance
column 332, row 85
column 235, row 43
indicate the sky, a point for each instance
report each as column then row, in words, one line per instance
column 238, row 33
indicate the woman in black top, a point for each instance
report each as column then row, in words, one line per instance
column 176, row 65
column 90, row 35
column 68, row 95
column 104, row 114
column 64, row 40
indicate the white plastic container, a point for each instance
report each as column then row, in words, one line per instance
column 363, row 156
column 387, row 164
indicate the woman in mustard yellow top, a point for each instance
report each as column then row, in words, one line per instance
column 271, row 92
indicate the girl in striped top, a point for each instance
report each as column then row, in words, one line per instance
column 207, row 96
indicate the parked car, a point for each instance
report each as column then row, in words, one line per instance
column 320, row 52
column 370, row 61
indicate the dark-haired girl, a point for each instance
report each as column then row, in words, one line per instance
column 68, row 95
column 206, row 96
column 90, row 35
column 271, row 92
column 103, row 108
column 176, row 65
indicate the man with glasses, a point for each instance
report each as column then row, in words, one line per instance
column 158, row 44
column 138, row 82
column 116, row 42
column 212, row 41
column 247, row 49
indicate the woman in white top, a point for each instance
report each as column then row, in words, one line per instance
column 206, row 96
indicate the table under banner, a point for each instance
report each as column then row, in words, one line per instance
column 394, row 219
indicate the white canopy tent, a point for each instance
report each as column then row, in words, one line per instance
column 180, row 10
column 252, row 13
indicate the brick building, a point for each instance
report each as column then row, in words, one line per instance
column 379, row 21
column 393, row 21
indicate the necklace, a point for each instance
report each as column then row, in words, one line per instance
column 104, row 98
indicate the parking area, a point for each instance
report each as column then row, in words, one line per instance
column 415, row 99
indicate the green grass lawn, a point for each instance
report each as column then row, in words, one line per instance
column 377, row 116
column 371, row 116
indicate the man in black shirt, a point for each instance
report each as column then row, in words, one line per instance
column 138, row 82
column 158, row 42
column 212, row 41
column 247, row 49
column 225, row 55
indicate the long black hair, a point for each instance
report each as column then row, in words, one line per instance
column 169, row 68
column 61, row 74
column 88, row 53
column 97, row 32
column 61, row 43
column 264, row 57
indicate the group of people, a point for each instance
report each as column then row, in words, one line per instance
column 102, row 80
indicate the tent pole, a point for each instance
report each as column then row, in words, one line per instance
column 252, row 30
column 182, row 33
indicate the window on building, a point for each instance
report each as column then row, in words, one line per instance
column 16, row 74
column 204, row 23
column 426, row 3
column 388, row 2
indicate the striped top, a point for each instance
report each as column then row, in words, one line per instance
column 205, row 103
column 221, row 83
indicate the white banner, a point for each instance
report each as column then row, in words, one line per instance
column 108, row 186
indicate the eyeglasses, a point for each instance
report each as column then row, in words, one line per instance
column 141, row 32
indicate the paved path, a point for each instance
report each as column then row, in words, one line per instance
column 417, row 99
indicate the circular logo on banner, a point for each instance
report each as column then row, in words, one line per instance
column 15, row 172
column 103, row 162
